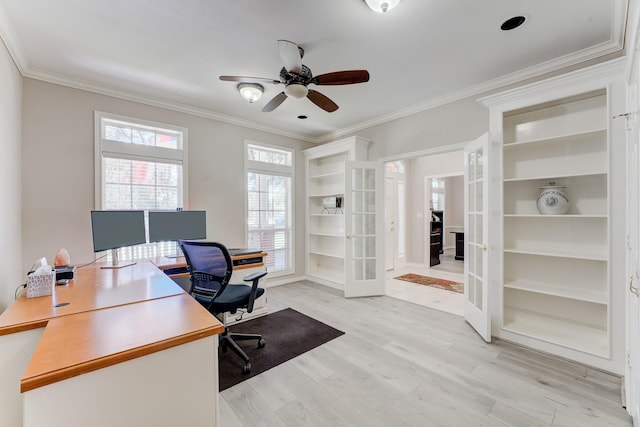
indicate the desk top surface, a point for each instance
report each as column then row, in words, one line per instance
column 95, row 339
column 93, row 288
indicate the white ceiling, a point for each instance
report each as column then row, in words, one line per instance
column 422, row 53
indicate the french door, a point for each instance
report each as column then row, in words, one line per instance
column 364, row 223
column 476, row 283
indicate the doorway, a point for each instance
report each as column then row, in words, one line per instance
column 408, row 205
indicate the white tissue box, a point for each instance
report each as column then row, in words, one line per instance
column 40, row 285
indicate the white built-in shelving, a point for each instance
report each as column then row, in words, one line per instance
column 325, row 234
column 554, row 271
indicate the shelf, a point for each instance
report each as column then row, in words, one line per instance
column 340, row 215
column 327, row 175
column 557, row 331
column 555, row 177
column 313, row 233
column 557, row 291
column 600, row 132
column 327, row 194
column 565, row 216
column 584, row 256
column 324, row 254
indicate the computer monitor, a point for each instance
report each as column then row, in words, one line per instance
column 116, row 229
column 168, row 226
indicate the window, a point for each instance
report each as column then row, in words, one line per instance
column 139, row 165
column 269, row 204
column 437, row 194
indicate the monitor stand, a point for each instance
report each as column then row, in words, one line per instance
column 115, row 264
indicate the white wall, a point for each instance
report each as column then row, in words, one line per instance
column 58, row 170
column 10, row 190
column 453, row 123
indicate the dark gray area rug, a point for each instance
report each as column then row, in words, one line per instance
column 288, row 333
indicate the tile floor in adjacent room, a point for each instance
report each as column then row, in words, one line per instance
column 427, row 296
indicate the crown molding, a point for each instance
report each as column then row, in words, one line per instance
column 538, row 71
column 8, row 36
column 10, row 40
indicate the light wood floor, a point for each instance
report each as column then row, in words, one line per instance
column 401, row 364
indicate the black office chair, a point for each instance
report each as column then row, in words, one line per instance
column 210, row 268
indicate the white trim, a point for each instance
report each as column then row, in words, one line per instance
column 579, row 81
column 104, row 148
column 426, row 152
column 285, row 281
column 279, row 170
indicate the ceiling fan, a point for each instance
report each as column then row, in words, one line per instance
column 296, row 77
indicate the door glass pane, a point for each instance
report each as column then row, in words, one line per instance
column 357, row 179
column 471, row 159
column 358, row 268
column 470, row 259
column 370, row 197
column 370, row 271
column 370, row 225
column 358, row 247
column 479, row 253
column 478, row 289
column 471, row 292
column 479, row 164
column 356, row 199
column 369, row 179
column 479, row 195
column 370, row 247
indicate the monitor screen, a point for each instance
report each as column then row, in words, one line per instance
column 165, row 226
column 117, row 229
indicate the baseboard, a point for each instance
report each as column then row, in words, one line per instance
column 282, row 280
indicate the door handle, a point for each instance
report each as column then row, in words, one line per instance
column 632, row 288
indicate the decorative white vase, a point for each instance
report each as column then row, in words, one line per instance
column 552, row 200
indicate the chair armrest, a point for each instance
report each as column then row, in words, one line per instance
column 257, row 275
column 254, row 279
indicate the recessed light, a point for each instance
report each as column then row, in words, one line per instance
column 512, row 23
column 302, row 117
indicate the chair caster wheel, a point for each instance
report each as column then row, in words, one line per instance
column 247, row 368
column 261, row 343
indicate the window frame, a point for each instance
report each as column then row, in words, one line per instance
column 271, row 169
column 132, row 151
column 137, row 152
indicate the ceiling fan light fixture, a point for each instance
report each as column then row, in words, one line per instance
column 382, row 6
column 250, row 92
column 297, row 90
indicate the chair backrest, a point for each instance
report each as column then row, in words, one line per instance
column 209, row 265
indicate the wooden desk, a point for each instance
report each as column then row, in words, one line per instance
column 109, row 348
column 92, row 289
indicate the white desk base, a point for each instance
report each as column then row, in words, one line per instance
column 154, row 390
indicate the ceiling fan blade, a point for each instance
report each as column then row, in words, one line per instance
column 275, row 101
column 249, row 79
column 290, row 56
column 342, row 77
column 322, row 101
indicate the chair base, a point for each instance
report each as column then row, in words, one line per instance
column 228, row 339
